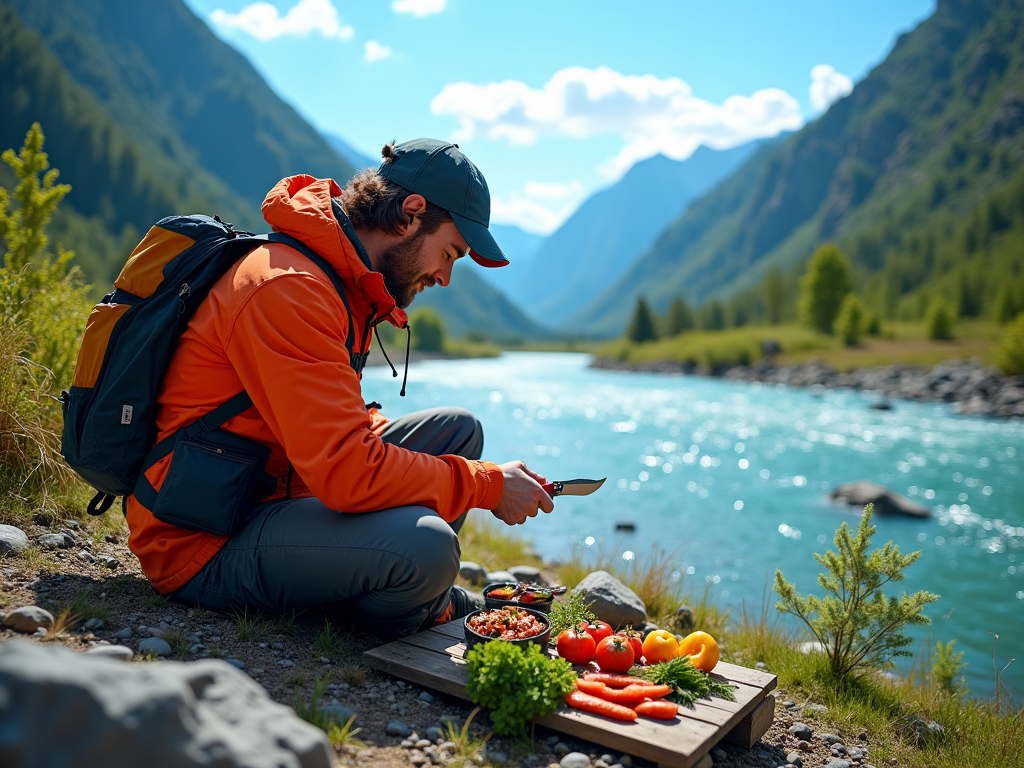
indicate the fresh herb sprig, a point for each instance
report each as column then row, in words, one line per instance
column 573, row 612
column 687, row 682
column 516, row 684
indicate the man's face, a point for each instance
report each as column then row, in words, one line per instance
column 416, row 261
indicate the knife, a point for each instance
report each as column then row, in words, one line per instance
column 579, row 487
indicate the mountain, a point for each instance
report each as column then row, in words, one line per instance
column 613, row 227
column 521, row 247
column 350, row 154
column 900, row 163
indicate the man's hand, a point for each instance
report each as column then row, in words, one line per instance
column 522, row 495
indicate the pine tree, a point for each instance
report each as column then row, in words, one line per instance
column 1004, row 308
column 774, row 297
column 712, row 316
column 823, row 288
column 679, row 317
column 1011, row 348
column 850, row 322
column 939, row 320
column 641, row 327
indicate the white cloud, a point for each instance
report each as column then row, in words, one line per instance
column 828, row 86
column 419, row 8
column 264, row 22
column 541, row 207
column 375, row 51
column 652, row 115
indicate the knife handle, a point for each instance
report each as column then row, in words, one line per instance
column 552, row 489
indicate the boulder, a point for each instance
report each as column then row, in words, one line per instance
column 163, row 715
column 612, row 600
column 155, row 646
column 474, row 573
column 526, row 573
column 886, row 502
column 499, row 577
column 12, row 539
column 28, row 619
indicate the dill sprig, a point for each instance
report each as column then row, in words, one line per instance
column 573, row 612
column 687, row 682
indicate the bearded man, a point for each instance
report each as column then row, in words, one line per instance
column 364, row 512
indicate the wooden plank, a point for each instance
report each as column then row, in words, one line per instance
column 434, row 659
column 750, row 729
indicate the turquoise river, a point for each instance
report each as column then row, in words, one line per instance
column 731, row 478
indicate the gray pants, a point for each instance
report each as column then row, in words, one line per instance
column 391, row 570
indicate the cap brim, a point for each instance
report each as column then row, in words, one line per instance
column 482, row 246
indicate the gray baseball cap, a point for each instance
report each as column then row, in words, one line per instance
column 447, row 178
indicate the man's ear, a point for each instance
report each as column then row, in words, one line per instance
column 414, row 204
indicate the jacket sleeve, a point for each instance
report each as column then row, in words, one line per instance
column 287, row 344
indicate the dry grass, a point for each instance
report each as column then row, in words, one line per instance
column 62, row 625
column 493, row 545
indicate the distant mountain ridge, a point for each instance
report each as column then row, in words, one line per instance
column 612, row 228
column 914, row 145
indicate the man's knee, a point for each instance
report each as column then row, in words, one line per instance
column 469, row 433
column 436, row 551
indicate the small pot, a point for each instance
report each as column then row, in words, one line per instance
column 474, row 638
column 494, row 602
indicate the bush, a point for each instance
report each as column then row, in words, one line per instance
column 946, row 666
column 1011, row 349
column 939, row 321
column 860, row 628
column 823, row 288
column 427, row 330
column 850, row 323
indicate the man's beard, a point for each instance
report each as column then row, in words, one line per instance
column 400, row 265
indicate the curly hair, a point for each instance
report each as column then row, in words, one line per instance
column 374, row 202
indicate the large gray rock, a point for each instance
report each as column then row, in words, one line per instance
column 499, row 577
column 121, row 652
column 862, row 492
column 155, row 646
column 472, row 572
column 526, row 573
column 12, row 539
column 612, row 600
column 163, row 715
column 55, row 541
column 28, row 619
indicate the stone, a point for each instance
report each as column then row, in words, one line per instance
column 682, row 620
column 500, row 577
column 111, row 562
column 793, row 758
column 425, row 697
column 816, row 708
column 805, row 746
column 94, row 624
column 286, row 663
column 612, row 600
column 626, row 761
column 397, row 728
column 110, row 539
column 499, row 757
column 862, row 492
column 155, row 646
column 112, row 652
column 338, row 713
column 28, row 619
column 837, row 763
column 423, row 744
column 86, row 557
column 575, row 760
column 921, row 729
column 472, row 572
column 189, row 715
column 123, row 634
column 55, row 541
column 12, row 539
column 434, row 733
column 829, row 738
column 236, row 663
column 43, row 518
column 801, row 731
column 526, row 573
column 561, row 748
column 718, row 754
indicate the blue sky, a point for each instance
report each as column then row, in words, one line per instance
column 556, row 99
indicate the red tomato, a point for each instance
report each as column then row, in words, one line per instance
column 635, row 642
column 599, row 631
column 614, row 654
column 575, row 647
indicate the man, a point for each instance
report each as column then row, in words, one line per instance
column 365, row 511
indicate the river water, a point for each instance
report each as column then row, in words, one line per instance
column 731, row 478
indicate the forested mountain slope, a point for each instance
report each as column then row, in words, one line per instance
column 891, row 173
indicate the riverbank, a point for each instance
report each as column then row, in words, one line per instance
column 973, row 388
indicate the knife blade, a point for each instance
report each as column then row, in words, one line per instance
column 578, row 487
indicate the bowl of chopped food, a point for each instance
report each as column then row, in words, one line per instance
column 532, row 596
column 513, row 624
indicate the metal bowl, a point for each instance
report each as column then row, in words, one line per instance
column 473, row 638
column 494, row 602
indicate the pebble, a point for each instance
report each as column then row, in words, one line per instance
column 500, row 757
column 44, row 519
column 551, row 741
column 94, row 624
column 422, row 743
column 575, row 760
column 111, row 562
column 793, row 758
column 236, row 663
column 718, row 754
column 110, row 538
column 55, row 541
column 156, row 646
column 286, row 663
column 561, row 748
column 805, row 746
column 830, row 738
column 29, row 619
column 324, row 660
column 818, row 708
column 801, row 731
column 406, row 744
column 761, row 665
column 606, row 758
column 112, row 652
column 397, row 728
column 197, row 648
column 338, row 712
column 12, row 539
column 434, row 733
column 425, row 697
column 86, row 557
column 123, row 634
column 626, row 761
column 418, row 758
column 837, row 763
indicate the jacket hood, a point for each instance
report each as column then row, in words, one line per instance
column 300, row 206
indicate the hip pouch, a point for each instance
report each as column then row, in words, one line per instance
column 214, row 481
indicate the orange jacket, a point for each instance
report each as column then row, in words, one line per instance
column 275, row 326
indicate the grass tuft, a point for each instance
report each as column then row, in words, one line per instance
column 62, row 625
column 82, row 606
column 330, row 642
column 250, row 626
column 467, row 744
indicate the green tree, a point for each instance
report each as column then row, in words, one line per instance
column 427, row 330
column 859, row 627
column 823, row 288
column 641, row 326
column 1011, row 348
column 1004, row 308
column 850, row 322
column 946, row 665
column 712, row 316
column 939, row 320
column 774, row 297
column 679, row 317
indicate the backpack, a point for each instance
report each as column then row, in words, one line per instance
column 110, row 408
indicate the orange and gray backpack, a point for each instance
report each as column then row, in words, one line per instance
column 110, row 409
